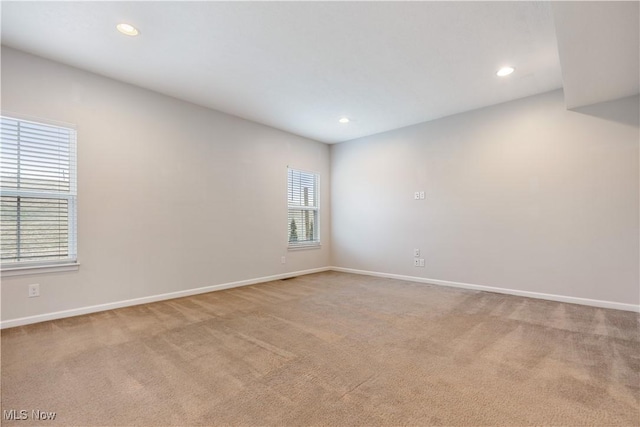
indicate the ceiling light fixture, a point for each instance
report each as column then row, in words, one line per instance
column 127, row 29
column 344, row 120
column 505, row 71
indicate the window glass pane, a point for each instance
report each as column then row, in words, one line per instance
column 302, row 225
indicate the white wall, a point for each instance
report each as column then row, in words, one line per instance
column 524, row 195
column 171, row 196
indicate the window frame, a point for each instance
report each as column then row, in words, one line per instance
column 69, row 263
column 316, row 242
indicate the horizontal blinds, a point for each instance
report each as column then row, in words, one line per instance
column 36, row 157
column 34, row 229
column 38, row 192
column 302, row 195
column 302, row 226
column 302, row 189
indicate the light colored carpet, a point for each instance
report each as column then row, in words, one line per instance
column 330, row 349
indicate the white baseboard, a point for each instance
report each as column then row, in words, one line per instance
column 179, row 294
column 529, row 294
column 153, row 298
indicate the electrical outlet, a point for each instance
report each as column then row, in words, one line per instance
column 422, row 195
column 416, row 195
column 34, row 290
column 416, row 262
column 416, row 253
column 421, row 262
column 283, row 260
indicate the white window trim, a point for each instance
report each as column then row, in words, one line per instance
column 26, row 270
column 304, row 246
column 317, row 244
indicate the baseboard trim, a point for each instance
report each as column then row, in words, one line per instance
column 529, row 294
column 11, row 323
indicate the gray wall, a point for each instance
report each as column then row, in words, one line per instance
column 171, row 196
column 524, row 195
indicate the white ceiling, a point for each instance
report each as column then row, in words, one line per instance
column 599, row 44
column 299, row 66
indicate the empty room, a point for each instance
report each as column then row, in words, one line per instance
column 320, row 213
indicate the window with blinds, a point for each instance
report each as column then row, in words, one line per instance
column 37, row 193
column 303, row 219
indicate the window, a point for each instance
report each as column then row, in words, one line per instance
column 303, row 219
column 37, row 193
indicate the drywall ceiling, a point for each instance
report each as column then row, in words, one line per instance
column 300, row 66
column 599, row 44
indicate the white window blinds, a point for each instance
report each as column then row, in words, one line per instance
column 303, row 219
column 37, row 193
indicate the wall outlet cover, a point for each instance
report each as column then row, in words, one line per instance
column 34, row 290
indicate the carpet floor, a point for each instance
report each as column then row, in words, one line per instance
column 330, row 349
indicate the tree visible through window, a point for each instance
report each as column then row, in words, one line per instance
column 303, row 224
column 37, row 193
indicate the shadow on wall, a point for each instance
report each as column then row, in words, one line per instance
column 611, row 111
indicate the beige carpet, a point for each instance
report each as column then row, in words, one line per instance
column 330, row 349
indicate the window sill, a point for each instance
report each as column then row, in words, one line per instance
column 39, row 269
column 304, row 246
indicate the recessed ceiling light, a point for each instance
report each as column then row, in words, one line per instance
column 505, row 71
column 127, row 29
column 344, row 120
